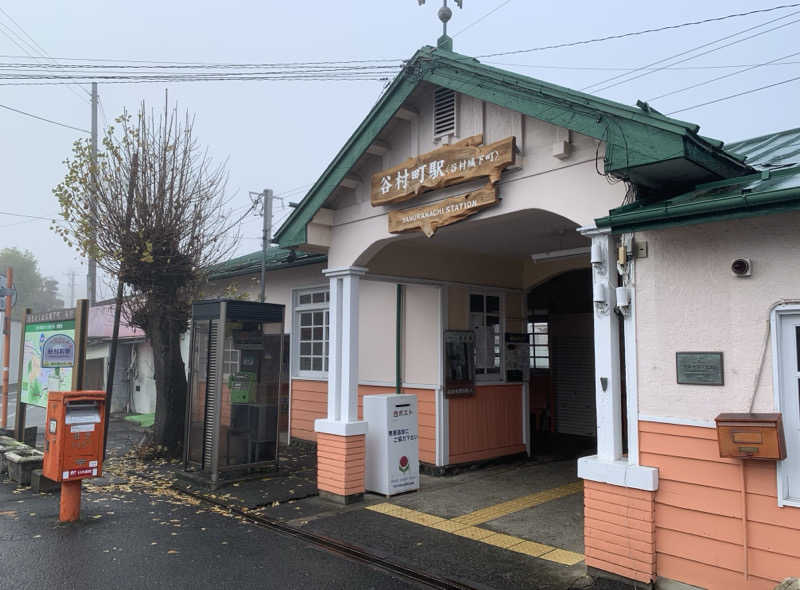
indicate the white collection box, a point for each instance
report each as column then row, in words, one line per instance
column 392, row 462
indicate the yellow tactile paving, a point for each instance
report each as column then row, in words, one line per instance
column 531, row 548
column 449, row 526
column 563, row 557
column 463, row 526
column 504, row 508
column 473, row 532
column 501, row 540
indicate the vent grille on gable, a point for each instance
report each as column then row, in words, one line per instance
column 444, row 112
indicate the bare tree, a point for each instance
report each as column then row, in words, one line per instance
column 176, row 226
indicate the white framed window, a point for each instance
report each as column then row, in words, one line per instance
column 539, row 341
column 311, row 337
column 486, row 319
column 785, row 326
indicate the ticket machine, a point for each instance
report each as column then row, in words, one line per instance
column 73, row 441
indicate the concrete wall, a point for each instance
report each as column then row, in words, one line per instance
column 421, row 335
column 688, row 300
column 377, row 332
column 571, row 187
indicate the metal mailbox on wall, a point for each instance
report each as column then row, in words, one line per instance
column 392, row 462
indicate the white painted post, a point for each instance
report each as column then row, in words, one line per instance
column 334, row 349
column 349, row 349
column 606, row 348
column 342, row 352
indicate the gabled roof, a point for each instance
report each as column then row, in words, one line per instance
column 277, row 258
column 756, row 194
column 658, row 153
column 771, row 150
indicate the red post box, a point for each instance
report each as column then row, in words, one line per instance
column 73, row 441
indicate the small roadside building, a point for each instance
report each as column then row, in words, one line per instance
column 577, row 244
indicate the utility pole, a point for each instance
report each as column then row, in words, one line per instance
column 7, row 346
column 265, row 198
column 91, row 275
column 71, row 275
column 112, row 357
column 266, row 237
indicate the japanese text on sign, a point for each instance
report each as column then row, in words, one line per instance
column 445, row 166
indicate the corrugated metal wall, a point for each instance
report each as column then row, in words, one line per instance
column 572, row 363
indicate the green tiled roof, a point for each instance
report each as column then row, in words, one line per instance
column 277, row 258
column 756, row 194
column 662, row 155
column 770, row 151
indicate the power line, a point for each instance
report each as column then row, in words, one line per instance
column 730, row 96
column 24, row 215
column 736, row 73
column 695, row 49
column 485, row 16
column 181, row 64
column 2, row 106
column 34, row 45
column 643, row 32
column 631, row 68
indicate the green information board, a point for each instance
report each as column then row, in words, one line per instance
column 47, row 360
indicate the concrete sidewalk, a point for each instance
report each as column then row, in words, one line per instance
column 506, row 526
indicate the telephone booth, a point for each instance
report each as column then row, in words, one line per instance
column 235, row 388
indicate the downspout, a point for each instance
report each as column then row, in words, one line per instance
column 399, row 342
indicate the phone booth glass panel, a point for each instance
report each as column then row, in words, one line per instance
column 235, row 387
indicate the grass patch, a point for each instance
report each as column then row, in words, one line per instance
column 143, row 420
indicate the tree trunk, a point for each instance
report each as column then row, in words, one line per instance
column 170, row 378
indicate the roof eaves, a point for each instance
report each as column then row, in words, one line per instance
column 292, row 231
column 686, row 209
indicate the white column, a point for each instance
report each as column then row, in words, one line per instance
column 343, row 354
column 606, row 348
column 609, row 465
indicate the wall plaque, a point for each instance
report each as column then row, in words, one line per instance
column 445, row 166
column 699, row 368
column 435, row 215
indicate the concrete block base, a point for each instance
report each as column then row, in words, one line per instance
column 6, row 446
column 21, row 463
column 41, row 484
column 339, row 499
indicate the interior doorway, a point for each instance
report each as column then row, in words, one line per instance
column 562, row 397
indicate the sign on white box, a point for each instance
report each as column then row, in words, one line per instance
column 392, row 462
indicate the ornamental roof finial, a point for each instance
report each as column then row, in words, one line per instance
column 445, row 14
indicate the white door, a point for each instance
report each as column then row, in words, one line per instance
column 789, row 371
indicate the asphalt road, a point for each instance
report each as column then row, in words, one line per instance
column 139, row 533
column 132, row 539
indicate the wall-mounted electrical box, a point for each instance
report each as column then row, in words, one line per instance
column 751, row 436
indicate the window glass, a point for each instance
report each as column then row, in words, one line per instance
column 539, row 338
column 476, row 303
column 312, row 318
column 486, row 323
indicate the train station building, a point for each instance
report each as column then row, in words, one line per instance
column 544, row 268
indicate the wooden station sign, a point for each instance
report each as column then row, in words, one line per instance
column 445, row 166
column 432, row 216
